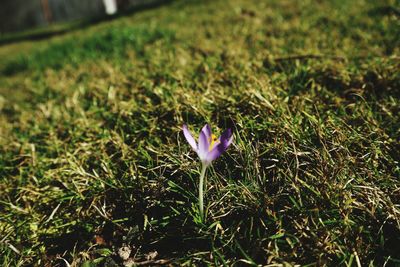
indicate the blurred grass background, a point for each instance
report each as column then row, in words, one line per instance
column 92, row 158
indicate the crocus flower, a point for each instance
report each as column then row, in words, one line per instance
column 208, row 148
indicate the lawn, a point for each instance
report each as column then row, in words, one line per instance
column 95, row 169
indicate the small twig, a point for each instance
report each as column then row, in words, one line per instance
column 338, row 58
column 153, row 262
column 309, row 56
column 297, row 160
column 146, row 262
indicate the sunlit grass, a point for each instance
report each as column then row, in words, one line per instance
column 93, row 159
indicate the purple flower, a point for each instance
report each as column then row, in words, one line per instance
column 209, row 147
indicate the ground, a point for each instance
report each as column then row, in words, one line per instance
column 95, row 170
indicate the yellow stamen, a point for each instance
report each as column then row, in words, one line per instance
column 213, row 141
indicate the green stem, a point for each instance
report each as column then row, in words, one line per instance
column 201, row 185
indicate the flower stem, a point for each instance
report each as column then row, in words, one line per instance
column 201, row 185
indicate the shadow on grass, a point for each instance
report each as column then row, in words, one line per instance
column 75, row 238
column 45, row 33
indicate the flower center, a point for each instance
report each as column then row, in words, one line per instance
column 213, row 141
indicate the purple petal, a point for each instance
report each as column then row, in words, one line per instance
column 215, row 153
column 189, row 137
column 203, row 145
column 225, row 140
column 207, row 131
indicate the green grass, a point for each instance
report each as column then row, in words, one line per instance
column 93, row 159
column 109, row 44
